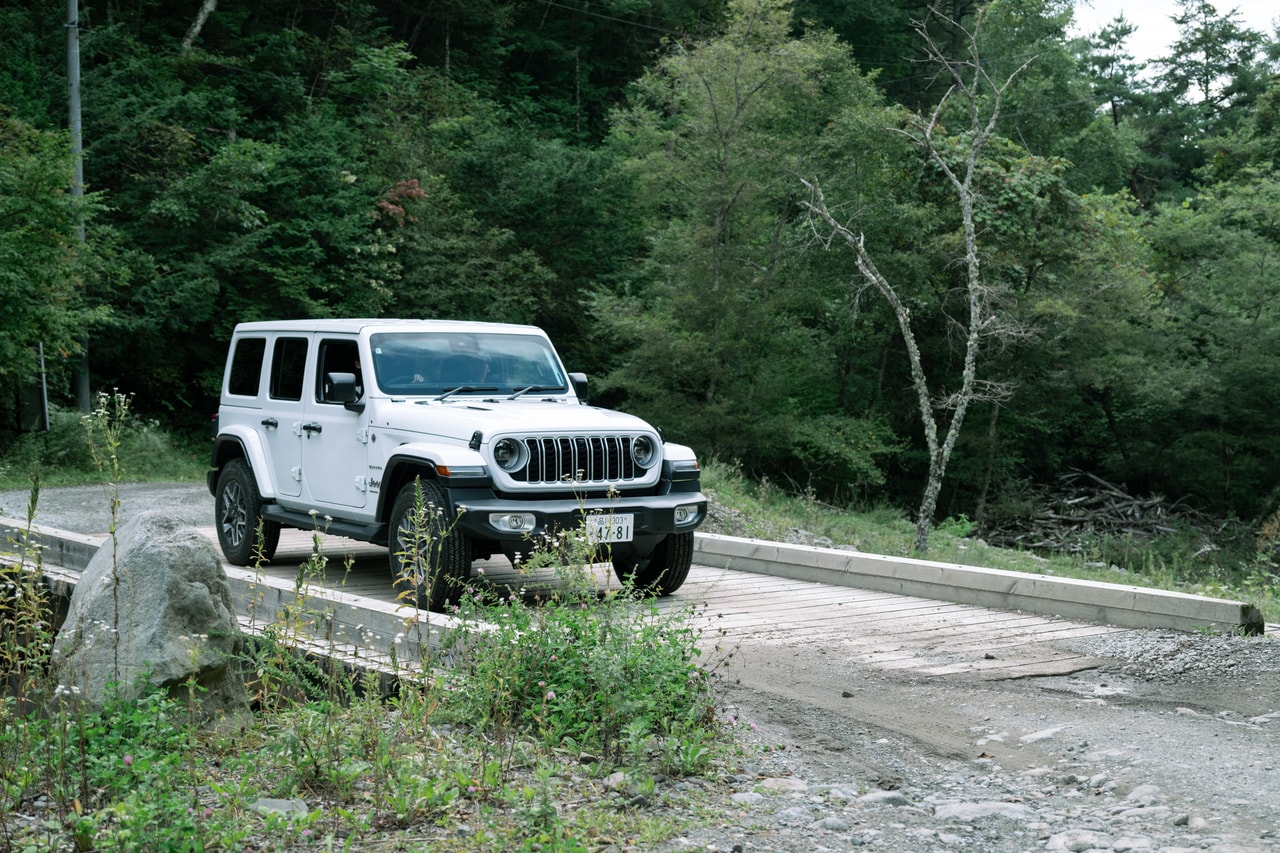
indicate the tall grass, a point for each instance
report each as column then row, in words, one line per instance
column 146, row 452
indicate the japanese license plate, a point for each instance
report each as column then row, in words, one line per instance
column 604, row 529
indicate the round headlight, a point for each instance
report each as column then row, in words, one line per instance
column 643, row 451
column 509, row 454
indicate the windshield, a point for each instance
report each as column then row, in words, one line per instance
column 425, row 363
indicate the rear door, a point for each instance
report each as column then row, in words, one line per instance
column 281, row 423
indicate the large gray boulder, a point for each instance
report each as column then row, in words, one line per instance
column 154, row 603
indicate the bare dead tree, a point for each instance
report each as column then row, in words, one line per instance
column 977, row 90
column 206, row 9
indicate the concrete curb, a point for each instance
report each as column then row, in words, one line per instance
column 388, row 637
column 1089, row 601
column 56, row 547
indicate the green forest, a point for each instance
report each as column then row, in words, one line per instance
column 855, row 246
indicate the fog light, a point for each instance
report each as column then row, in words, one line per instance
column 686, row 514
column 513, row 522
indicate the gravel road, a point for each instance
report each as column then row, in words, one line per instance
column 1172, row 744
column 87, row 509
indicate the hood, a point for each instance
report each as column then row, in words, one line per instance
column 461, row 417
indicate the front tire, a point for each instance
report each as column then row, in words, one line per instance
column 238, row 509
column 430, row 558
column 666, row 569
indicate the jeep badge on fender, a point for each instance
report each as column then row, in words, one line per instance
column 447, row 442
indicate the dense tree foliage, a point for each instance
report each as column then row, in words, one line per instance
column 45, row 269
column 729, row 336
column 627, row 175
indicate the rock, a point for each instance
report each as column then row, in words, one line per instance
column 784, row 784
column 794, row 815
column 1078, row 840
column 977, row 811
column 1145, row 795
column 884, row 798
column 156, row 605
column 288, row 808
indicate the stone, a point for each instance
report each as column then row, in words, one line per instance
column 978, row 811
column 884, row 798
column 1145, row 795
column 1078, row 840
column 154, row 604
column 289, row 808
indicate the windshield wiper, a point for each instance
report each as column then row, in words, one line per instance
column 465, row 389
column 535, row 388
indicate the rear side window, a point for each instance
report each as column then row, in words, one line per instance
column 288, row 364
column 246, row 367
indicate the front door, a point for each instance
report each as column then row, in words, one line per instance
column 334, row 439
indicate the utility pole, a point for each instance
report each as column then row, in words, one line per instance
column 77, row 175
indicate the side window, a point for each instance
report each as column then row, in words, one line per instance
column 337, row 357
column 288, row 364
column 246, row 367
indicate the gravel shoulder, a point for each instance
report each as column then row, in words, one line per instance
column 1174, row 744
column 1171, row 744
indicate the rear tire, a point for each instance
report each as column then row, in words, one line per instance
column 430, row 558
column 238, row 512
column 666, row 569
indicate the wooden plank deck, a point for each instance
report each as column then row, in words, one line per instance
column 737, row 609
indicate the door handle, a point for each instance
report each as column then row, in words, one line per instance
column 312, row 427
column 270, row 422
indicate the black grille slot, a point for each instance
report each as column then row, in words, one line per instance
column 590, row 459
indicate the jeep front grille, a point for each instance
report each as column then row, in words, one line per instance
column 594, row 459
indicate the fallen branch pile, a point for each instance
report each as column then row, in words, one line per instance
column 1085, row 507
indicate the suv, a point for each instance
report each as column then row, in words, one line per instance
column 445, row 441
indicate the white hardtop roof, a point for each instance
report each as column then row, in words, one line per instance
column 356, row 326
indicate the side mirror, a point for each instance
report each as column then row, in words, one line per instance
column 579, row 383
column 341, row 388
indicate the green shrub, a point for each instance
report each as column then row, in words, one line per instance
column 577, row 668
column 145, row 451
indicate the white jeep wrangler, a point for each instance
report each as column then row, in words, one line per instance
column 329, row 424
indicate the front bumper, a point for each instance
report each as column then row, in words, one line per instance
column 653, row 514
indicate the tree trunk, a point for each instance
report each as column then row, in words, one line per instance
column 980, row 512
column 982, row 97
column 206, row 9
